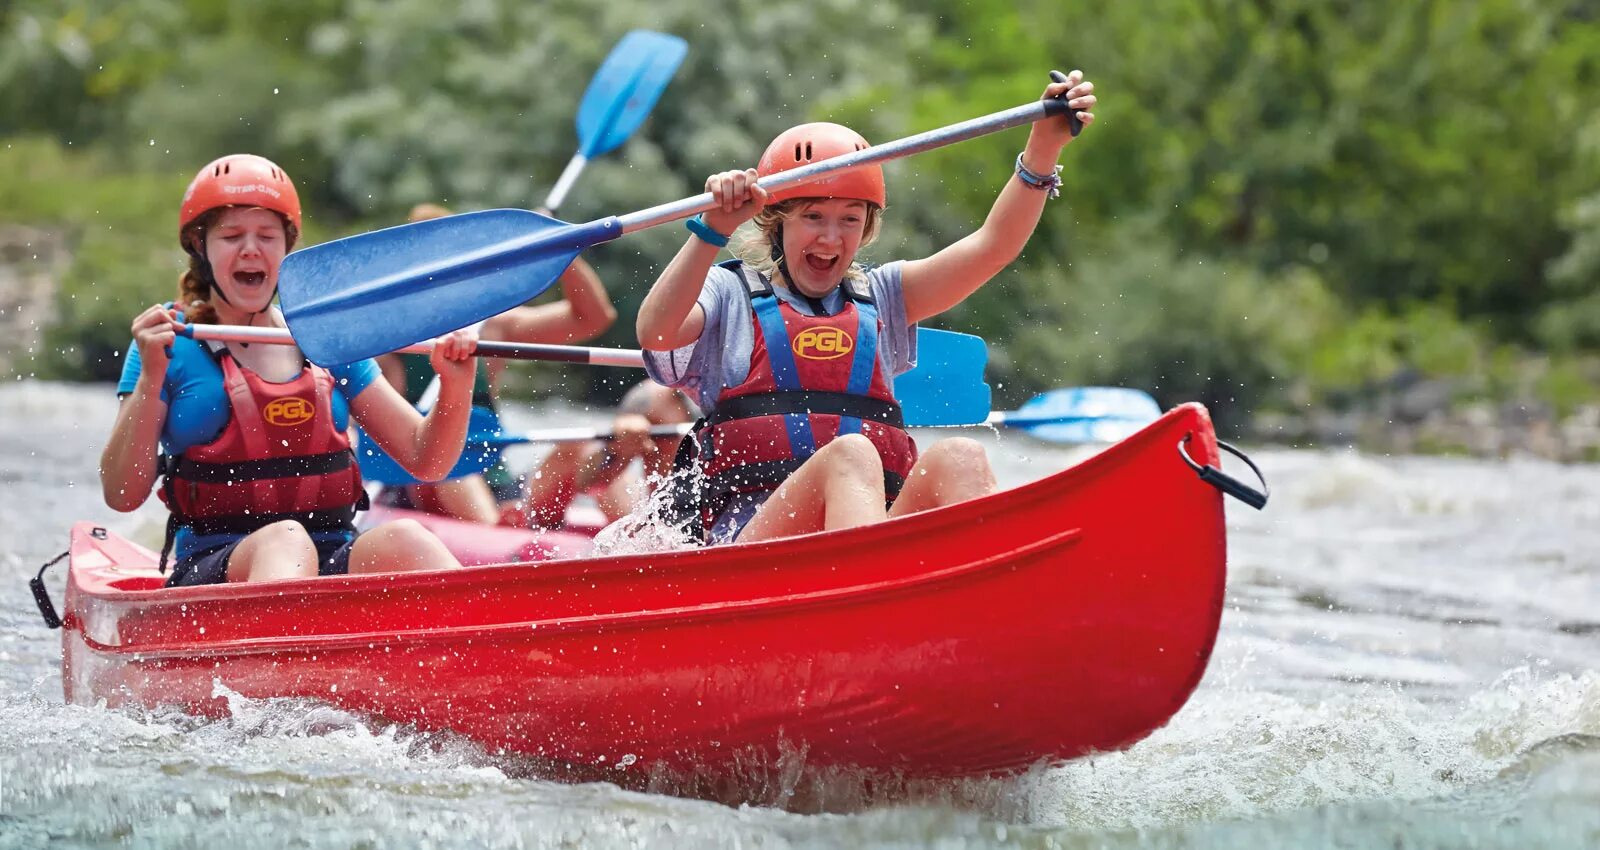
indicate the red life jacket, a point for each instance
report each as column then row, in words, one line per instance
column 812, row 378
column 279, row 457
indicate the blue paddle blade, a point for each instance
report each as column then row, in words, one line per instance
column 1086, row 414
column 369, row 294
column 946, row 387
column 482, row 450
column 626, row 88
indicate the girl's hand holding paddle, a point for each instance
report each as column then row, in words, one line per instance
column 153, row 331
column 738, row 199
column 453, row 357
column 1049, row 136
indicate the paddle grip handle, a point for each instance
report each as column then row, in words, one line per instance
column 1073, row 121
column 559, row 353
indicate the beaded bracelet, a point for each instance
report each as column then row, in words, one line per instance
column 706, row 232
column 1049, row 182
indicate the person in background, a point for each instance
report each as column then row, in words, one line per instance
column 583, row 313
column 602, row 468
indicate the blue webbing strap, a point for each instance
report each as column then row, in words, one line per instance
column 861, row 366
column 785, row 375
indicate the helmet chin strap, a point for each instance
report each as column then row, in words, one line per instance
column 210, row 279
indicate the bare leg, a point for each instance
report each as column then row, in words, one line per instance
column 552, row 486
column 278, row 551
column 841, row 486
column 466, row 498
column 399, row 547
column 950, row 471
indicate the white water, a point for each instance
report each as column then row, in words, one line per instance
column 1410, row 658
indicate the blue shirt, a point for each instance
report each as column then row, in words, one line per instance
column 197, row 411
column 720, row 358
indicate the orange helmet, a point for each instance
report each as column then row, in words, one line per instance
column 808, row 143
column 243, row 180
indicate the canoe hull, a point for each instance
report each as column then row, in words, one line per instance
column 1070, row 615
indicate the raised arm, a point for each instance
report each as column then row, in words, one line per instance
column 937, row 283
column 427, row 446
column 584, row 313
column 128, row 464
column 669, row 317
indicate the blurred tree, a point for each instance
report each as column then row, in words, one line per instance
column 1429, row 169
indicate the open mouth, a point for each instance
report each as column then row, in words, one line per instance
column 249, row 278
column 821, row 263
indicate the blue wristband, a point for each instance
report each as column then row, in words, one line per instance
column 707, row 234
column 1050, row 183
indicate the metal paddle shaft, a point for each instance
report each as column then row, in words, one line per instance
column 505, row 350
column 364, row 295
column 874, row 155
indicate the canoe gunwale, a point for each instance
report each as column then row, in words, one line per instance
column 611, row 623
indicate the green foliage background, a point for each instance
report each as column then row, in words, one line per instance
column 1284, row 202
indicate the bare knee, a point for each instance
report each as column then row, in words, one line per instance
column 402, row 545
column 401, row 532
column 853, row 453
column 277, row 551
column 285, row 536
column 958, row 454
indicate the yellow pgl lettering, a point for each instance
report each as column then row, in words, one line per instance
column 823, row 344
column 288, row 411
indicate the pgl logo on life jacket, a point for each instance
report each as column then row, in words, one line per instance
column 288, row 411
column 823, row 343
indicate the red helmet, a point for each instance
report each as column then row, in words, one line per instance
column 243, row 180
column 808, row 143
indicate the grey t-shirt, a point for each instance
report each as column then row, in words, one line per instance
column 720, row 358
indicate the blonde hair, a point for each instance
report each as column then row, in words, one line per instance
column 194, row 285
column 754, row 244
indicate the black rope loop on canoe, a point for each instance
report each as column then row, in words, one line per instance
column 1227, row 483
column 41, row 596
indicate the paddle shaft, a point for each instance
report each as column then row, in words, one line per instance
column 1010, row 419
column 569, row 176
column 876, row 154
column 507, row 350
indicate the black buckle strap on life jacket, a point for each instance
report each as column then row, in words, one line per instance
column 768, row 474
column 857, row 290
column 332, row 519
column 809, row 401
column 256, row 470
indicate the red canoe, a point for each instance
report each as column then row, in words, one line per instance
column 1068, row 615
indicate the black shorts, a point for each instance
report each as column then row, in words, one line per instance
column 210, row 566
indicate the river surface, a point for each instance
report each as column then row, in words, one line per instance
column 1410, row 657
